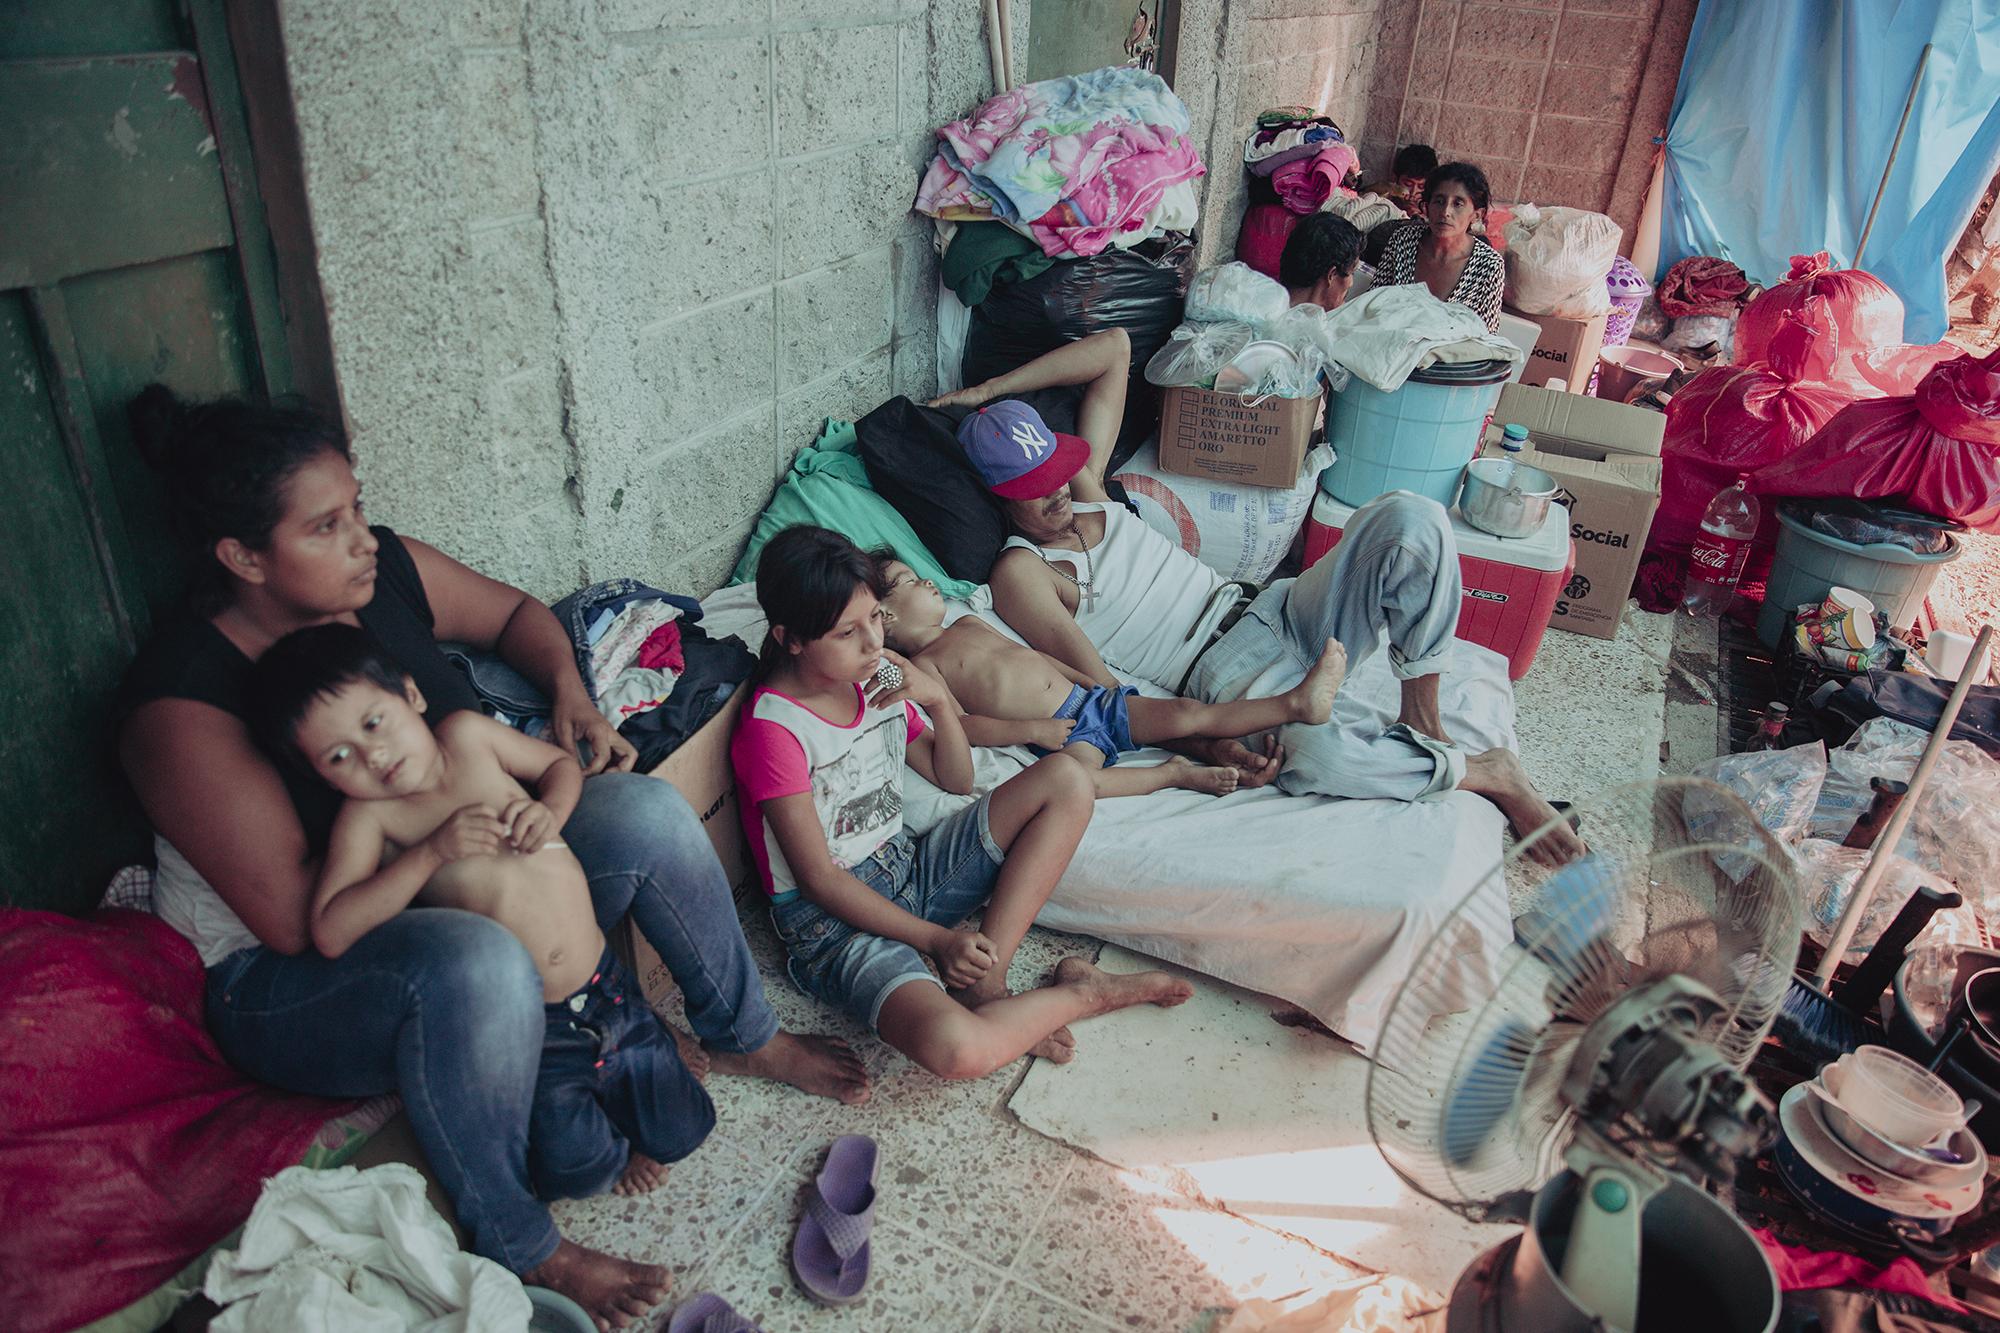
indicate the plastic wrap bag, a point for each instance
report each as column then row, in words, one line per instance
column 1866, row 317
column 1194, row 352
column 1827, row 872
column 1235, row 293
column 1557, row 266
column 1241, row 532
column 1954, row 831
column 1780, row 787
column 1138, row 290
column 1696, row 331
column 1936, row 451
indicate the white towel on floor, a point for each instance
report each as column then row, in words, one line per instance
column 347, row 1251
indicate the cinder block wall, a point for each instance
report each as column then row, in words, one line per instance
column 595, row 269
column 1557, row 101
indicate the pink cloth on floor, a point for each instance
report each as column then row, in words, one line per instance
column 1801, row 1269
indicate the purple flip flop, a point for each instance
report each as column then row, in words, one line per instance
column 830, row 1251
column 709, row 1313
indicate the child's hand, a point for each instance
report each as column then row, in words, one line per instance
column 475, row 830
column 529, row 824
column 919, row 686
column 964, row 956
column 1050, row 733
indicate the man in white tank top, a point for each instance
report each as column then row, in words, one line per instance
column 1084, row 581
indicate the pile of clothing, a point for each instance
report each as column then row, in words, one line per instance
column 1302, row 154
column 1075, row 164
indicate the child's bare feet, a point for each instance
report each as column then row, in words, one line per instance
column 823, row 1066
column 1058, row 1048
column 613, row 1291
column 693, row 1055
column 1216, row 780
column 642, row 1175
column 1107, row 991
column 1312, row 698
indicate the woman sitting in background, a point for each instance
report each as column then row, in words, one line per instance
column 1441, row 252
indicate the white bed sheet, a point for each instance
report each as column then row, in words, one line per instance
column 1321, row 902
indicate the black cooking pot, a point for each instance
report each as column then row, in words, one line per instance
column 1973, row 1069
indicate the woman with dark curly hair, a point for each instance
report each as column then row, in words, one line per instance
column 1441, row 252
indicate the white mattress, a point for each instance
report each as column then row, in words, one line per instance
column 1318, row 901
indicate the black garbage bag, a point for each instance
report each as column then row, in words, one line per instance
column 1140, row 290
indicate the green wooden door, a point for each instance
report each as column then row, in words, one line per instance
column 133, row 248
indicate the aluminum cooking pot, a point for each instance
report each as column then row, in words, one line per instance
column 1505, row 497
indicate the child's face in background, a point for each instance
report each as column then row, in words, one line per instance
column 368, row 743
column 852, row 649
column 912, row 603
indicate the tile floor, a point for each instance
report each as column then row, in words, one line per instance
column 987, row 1225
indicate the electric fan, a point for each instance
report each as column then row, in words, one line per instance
column 1573, row 1059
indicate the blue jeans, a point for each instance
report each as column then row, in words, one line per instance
column 611, row 1081
column 445, row 1007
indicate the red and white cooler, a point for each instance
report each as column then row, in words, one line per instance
column 1511, row 586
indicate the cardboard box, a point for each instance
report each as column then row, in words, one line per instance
column 701, row 772
column 1222, row 438
column 1567, row 349
column 1607, row 458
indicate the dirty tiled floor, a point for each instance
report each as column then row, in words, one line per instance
column 987, row 1225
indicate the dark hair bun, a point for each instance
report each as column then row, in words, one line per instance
column 158, row 420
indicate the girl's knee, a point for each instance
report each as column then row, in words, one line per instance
column 949, row 1046
column 1064, row 777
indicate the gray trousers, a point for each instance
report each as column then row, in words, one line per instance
column 1394, row 580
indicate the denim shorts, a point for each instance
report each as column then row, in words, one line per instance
column 943, row 877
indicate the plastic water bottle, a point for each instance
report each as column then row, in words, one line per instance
column 1716, row 562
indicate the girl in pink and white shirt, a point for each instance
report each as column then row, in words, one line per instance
column 859, row 903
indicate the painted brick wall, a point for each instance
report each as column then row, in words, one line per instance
column 596, row 269
column 1556, row 100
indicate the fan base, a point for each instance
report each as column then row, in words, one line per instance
column 1701, row 1269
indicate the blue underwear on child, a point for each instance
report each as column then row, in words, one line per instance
column 1102, row 719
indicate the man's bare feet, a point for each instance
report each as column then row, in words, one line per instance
column 693, row 1054
column 613, row 1291
column 642, row 1175
column 1498, row 776
column 1058, row 1048
column 1311, row 699
column 1254, row 768
column 1215, row 779
column 823, row 1066
column 1106, row 991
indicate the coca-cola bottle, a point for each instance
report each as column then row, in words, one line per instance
column 1716, row 561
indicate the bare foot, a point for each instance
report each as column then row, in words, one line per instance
column 642, row 1175
column 1253, row 768
column 1215, row 779
column 693, row 1054
column 614, row 1291
column 823, row 1066
column 1058, row 1048
column 1107, row 991
column 1498, row 776
column 1312, row 698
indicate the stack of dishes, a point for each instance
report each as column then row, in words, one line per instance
column 1877, row 1146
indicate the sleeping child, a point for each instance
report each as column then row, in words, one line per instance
column 1013, row 695
column 470, row 816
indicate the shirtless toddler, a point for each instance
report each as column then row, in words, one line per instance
column 1013, row 695
column 447, row 818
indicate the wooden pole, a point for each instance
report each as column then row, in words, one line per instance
column 1895, row 146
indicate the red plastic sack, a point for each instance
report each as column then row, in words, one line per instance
column 1936, row 450
column 1732, row 420
column 1866, row 318
column 1266, row 228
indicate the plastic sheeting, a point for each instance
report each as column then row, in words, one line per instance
column 1783, row 121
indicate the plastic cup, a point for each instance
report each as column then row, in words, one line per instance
column 1948, row 653
column 1897, row 1097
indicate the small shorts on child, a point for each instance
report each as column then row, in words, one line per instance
column 942, row 877
column 611, row 1081
column 1103, row 719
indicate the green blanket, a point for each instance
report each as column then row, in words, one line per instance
column 983, row 255
column 828, row 487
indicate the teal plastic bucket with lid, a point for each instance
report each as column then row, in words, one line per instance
column 1418, row 438
column 1809, row 564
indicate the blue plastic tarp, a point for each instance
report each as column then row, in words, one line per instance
column 1783, row 121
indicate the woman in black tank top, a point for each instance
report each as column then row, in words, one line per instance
column 443, row 1007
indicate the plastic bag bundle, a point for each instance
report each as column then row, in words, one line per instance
column 1692, row 332
column 1781, row 788
column 1194, row 352
column 1235, row 293
column 1936, row 450
column 1557, row 265
column 1866, row 316
column 1827, row 872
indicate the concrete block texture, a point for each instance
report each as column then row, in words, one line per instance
column 595, row 268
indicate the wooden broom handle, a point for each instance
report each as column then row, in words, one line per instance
column 1892, row 832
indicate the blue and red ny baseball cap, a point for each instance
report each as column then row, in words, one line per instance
column 1016, row 454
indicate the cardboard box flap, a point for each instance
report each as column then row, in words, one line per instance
column 1593, row 463
column 1578, row 426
